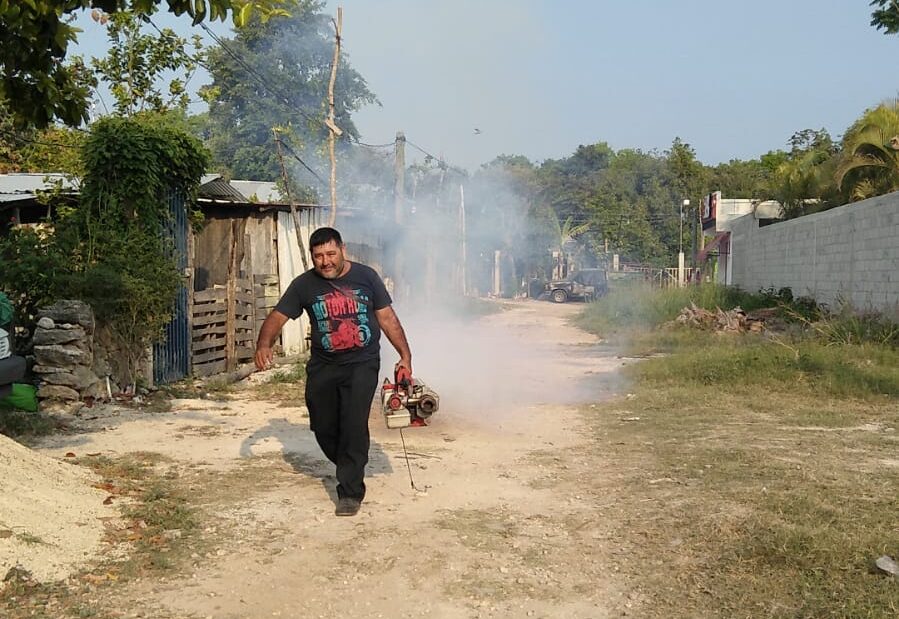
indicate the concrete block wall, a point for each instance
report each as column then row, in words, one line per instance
column 850, row 253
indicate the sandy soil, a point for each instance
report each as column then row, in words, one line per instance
column 505, row 519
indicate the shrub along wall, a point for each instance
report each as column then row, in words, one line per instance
column 108, row 251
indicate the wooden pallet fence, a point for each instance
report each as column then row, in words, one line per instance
column 224, row 330
column 267, row 292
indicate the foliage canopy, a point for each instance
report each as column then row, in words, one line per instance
column 38, row 84
column 275, row 73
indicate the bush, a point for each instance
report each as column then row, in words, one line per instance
column 109, row 251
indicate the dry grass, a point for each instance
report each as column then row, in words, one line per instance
column 749, row 481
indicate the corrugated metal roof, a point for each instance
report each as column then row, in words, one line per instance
column 24, row 186
column 214, row 187
column 263, row 192
column 29, row 183
column 219, row 189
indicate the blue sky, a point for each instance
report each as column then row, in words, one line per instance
column 733, row 79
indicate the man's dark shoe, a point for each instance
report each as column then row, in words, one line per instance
column 347, row 506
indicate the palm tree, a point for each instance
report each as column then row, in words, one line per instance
column 565, row 231
column 870, row 163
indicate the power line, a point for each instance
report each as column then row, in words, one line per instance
column 440, row 160
column 260, row 78
column 385, row 145
column 303, row 163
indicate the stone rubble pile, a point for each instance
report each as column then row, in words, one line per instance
column 64, row 354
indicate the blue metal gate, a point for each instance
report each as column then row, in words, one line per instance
column 171, row 355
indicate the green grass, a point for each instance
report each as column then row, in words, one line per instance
column 750, row 362
column 638, row 306
column 296, row 373
column 286, row 386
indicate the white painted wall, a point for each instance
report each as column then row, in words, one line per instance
column 850, row 253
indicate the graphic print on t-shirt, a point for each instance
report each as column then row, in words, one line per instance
column 342, row 317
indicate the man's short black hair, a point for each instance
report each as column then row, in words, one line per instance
column 323, row 236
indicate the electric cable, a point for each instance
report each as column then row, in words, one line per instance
column 293, row 154
column 360, row 143
column 260, row 78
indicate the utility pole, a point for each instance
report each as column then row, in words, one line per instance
column 680, row 244
column 399, row 180
column 293, row 207
column 399, row 198
column 464, row 251
column 334, row 130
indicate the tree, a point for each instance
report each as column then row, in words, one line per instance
column 886, row 17
column 137, row 62
column 870, row 162
column 55, row 149
column 803, row 182
column 275, row 74
column 36, row 82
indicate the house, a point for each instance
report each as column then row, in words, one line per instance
column 717, row 215
column 238, row 262
column 20, row 201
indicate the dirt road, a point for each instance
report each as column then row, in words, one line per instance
column 506, row 520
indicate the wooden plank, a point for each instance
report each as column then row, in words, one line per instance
column 207, row 308
column 230, row 359
column 245, row 352
column 265, row 280
column 244, row 296
column 266, row 301
column 208, row 369
column 244, row 324
column 213, row 329
column 210, row 294
column 191, row 254
column 214, row 355
column 200, row 321
column 218, row 342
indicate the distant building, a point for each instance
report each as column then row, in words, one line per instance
column 717, row 215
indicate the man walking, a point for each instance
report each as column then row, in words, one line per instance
column 348, row 306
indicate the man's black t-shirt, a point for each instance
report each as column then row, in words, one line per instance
column 342, row 312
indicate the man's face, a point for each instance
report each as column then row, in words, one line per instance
column 328, row 259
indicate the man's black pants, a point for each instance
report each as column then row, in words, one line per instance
column 339, row 400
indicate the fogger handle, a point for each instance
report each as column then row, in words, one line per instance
column 402, row 377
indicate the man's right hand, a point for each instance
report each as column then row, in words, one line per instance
column 264, row 358
column 267, row 334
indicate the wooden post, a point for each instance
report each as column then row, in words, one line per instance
column 399, row 196
column 334, row 130
column 189, row 282
column 293, row 207
column 231, row 302
column 399, row 181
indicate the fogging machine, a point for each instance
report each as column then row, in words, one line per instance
column 406, row 401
